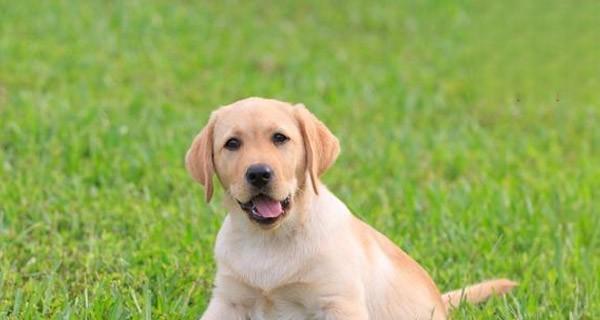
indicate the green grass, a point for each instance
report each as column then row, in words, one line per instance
column 470, row 136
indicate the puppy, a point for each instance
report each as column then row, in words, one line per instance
column 289, row 248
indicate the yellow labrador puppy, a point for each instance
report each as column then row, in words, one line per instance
column 289, row 248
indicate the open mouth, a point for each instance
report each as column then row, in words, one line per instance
column 264, row 209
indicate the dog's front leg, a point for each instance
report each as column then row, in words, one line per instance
column 219, row 309
column 343, row 308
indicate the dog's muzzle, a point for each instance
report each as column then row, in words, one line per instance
column 264, row 209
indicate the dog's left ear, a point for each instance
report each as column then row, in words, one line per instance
column 199, row 158
column 322, row 147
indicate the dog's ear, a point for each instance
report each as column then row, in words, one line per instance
column 321, row 146
column 199, row 158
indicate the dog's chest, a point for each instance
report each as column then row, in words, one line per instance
column 266, row 265
column 267, row 269
column 292, row 302
column 275, row 284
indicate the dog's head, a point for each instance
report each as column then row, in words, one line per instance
column 265, row 153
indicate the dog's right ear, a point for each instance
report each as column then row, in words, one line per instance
column 199, row 158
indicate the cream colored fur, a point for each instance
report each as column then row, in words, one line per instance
column 319, row 261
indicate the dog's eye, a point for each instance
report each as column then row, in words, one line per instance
column 279, row 138
column 233, row 144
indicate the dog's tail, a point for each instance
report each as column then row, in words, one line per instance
column 478, row 292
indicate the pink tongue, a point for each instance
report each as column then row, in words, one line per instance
column 268, row 208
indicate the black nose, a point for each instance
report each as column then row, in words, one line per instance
column 259, row 175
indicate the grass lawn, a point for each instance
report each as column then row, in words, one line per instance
column 470, row 136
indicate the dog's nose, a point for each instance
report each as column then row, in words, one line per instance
column 259, row 175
